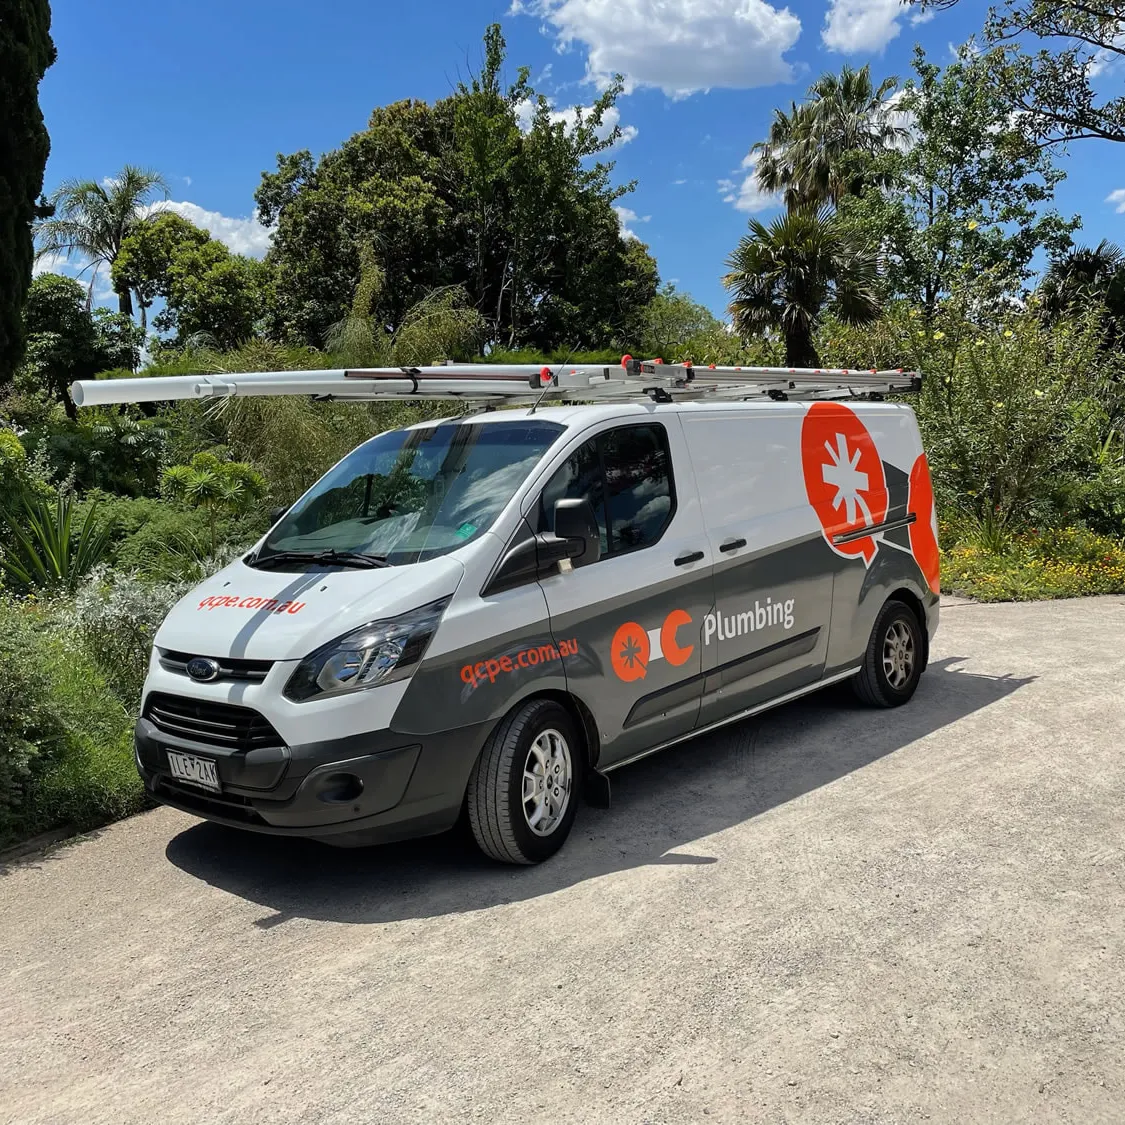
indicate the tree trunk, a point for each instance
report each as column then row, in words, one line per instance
column 125, row 302
column 800, row 351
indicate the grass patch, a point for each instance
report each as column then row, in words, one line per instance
column 1033, row 565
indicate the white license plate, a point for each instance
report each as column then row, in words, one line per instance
column 194, row 770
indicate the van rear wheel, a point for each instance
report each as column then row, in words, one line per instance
column 892, row 662
column 524, row 789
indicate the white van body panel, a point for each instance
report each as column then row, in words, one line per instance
column 275, row 615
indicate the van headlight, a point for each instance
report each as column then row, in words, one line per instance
column 367, row 656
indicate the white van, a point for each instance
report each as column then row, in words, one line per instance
column 491, row 612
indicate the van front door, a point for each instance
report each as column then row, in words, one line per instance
column 633, row 621
column 774, row 573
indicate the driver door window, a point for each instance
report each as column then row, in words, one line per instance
column 626, row 476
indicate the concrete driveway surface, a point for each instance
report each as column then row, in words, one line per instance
column 826, row 914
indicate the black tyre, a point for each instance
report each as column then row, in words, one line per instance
column 892, row 663
column 524, row 789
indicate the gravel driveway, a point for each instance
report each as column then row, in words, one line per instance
column 825, row 914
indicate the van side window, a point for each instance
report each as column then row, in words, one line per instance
column 626, row 476
column 639, row 485
column 579, row 478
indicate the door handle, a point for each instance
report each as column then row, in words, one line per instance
column 732, row 545
column 690, row 557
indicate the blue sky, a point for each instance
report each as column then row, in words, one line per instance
column 210, row 92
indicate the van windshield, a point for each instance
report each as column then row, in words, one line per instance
column 410, row 495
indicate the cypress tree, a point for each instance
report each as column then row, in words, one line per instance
column 26, row 51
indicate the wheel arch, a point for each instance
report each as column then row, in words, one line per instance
column 906, row 595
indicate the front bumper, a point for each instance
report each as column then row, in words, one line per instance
column 365, row 788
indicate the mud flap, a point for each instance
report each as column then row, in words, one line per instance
column 596, row 789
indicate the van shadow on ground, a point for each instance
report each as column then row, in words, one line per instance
column 660, row 803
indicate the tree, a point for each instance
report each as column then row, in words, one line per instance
column 1084, row 279
column 489, row 190
column 207, row 289
column 218, row 487
column 65, row 341
column 672, row 320
column 26, row 51
column 1056, row 91
column 786, row 276
column 93, row 220
column 966, row 205
column 809, row 154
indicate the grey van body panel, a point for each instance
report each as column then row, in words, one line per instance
column 770, row 662
column 835, row 601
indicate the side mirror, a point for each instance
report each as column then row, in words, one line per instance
column 576, row 523
column 278, row 514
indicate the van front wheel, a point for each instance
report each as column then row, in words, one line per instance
column 524, row 789
column 892, row 662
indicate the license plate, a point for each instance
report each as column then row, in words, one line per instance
column 194, row 770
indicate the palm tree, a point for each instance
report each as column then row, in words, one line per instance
column 787, row 275
column 805, row 155
column 93, row 219
column 1086, row 278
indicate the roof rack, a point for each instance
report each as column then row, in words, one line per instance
column 496, row 384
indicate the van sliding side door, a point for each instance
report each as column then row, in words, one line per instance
column 773, row 571
column 631, row 623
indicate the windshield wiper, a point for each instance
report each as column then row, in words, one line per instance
column 331, row 557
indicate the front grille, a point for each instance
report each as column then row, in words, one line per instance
column 230, row 668
column 215, row 724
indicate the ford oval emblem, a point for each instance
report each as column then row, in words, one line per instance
column 203, row 669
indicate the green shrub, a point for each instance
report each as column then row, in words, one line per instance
column 1055, row 563
column 219, row 488
column 103, row 448
column 17, row 477
column 29, row 729
column 46, row 547
column 65, row 740
column 161, row 541
column 115, row 617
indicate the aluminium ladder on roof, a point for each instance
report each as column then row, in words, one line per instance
column 497, row 384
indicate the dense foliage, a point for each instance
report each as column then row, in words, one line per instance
column 484, row 190
column 26, row 51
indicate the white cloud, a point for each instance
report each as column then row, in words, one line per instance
column 748, row 196
column 852, row 26
column 525, row 112
column 680, row 46
column 625, row 216
column 678, row 183
column 243, row 236
column 1104, row 61
column 1118, row 199
column 55, row 263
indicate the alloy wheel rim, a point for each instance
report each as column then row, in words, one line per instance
column 898, row 655
column 547, row 777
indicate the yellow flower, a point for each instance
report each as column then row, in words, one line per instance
column 973, row 224
column 939, row 335
column 921, row 332
column 998, row 405
column 1040, row 394
column 914, row 312
column 1008, row 333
